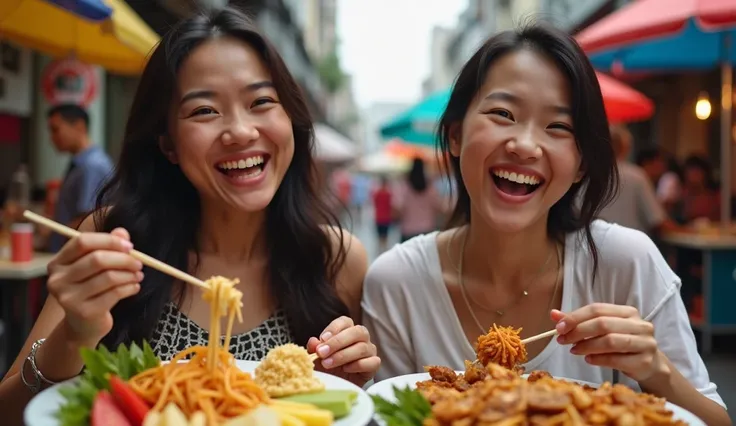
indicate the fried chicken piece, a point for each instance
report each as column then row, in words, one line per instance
column 441, row 374
column 461, row 384
column 475, row 372
column 538, row 374
column 545, row 400
column 499, row 372
column 430, row 384
column 436, row 394
column 452, row 410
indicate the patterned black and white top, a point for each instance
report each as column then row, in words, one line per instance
column 176, row 332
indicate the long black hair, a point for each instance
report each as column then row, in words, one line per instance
column 592, row 135
column 156, row 203
column 417, row 177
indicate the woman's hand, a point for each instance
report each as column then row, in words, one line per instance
column 345, row 350
column 612, row 336
column 91, row 274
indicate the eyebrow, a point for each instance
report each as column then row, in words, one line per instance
column 509, row 97
column 209, row 94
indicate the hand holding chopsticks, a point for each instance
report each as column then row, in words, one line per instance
column 142, row 257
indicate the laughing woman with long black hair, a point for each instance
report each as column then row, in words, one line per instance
column 215, row 178
column 526, row 134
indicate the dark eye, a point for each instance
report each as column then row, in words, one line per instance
column 561, row 126
column 502, row 113
column 262, row 101
column 204, row 111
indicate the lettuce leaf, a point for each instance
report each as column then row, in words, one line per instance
column 410, row 409
column 99, row 364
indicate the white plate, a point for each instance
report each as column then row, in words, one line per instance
column 42, row 409
column 385, row 389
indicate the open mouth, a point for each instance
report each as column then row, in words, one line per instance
column 245, row 168
column 516, row 184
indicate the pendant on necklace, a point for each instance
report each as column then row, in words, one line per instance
column 500, row 312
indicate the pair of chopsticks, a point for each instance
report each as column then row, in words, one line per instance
column 144, row 258
column 539, row 337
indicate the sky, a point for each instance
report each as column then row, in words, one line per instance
column 385, row 45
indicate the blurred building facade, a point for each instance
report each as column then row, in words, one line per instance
column 319, row 24
column 450, row 48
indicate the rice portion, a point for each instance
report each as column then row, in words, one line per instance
column 287, row 370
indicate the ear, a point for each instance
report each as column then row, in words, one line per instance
column 167, row 148
column 455, row 139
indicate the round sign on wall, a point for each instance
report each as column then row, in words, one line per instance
column 69, row 81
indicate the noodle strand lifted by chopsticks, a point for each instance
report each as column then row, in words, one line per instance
column 210, row 382
column 502, row 345
column 224, row 300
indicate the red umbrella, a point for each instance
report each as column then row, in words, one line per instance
column 673, row 34
column 623, row 104
column 646, row 19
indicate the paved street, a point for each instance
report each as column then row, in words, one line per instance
column 721, row 365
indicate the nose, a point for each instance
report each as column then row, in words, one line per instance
column 241, row 129
column 524, row 146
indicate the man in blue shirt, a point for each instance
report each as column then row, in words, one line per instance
column 88, row 170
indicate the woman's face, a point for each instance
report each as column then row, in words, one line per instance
column 516, row 145
column 228, row 131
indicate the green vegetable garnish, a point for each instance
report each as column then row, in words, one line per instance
column 99, row 365
column 410, row 409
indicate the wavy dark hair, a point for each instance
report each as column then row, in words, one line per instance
column 416, row 176
column 156, row 203
column 592, row 135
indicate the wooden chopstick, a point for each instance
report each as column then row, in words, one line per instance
column 539, row 337
column 144, row 258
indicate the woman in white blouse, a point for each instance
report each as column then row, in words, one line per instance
column 526, row 133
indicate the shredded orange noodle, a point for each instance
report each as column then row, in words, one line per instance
column 502, row 345
column 210, row 382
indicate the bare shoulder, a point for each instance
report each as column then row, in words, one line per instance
column 349, row 280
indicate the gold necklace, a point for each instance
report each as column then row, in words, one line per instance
column 524, row 293
column 467, row 300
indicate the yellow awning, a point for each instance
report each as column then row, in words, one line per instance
column 120, row 44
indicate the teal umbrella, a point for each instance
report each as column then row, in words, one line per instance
column 418, row 123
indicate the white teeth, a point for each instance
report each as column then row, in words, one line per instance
column 242, row 163
column 517, row 177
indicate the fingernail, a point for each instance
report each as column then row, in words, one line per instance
column 138, row 264
column 560, row 327
column 323, row 350
column 574, row 350
column 139, row 276
column 561, row 340
column 327, row 363
column 127, row 244
column 325, row 336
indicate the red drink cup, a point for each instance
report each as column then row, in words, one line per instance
column 21, row 242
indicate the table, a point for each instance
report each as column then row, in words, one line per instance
column 15, row 277
column 719, row 281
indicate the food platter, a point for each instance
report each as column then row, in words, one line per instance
column 385, row 390
column 41, row 410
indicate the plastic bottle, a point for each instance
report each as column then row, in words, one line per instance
column 18, row 200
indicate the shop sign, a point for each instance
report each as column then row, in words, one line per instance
column 69, row 81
